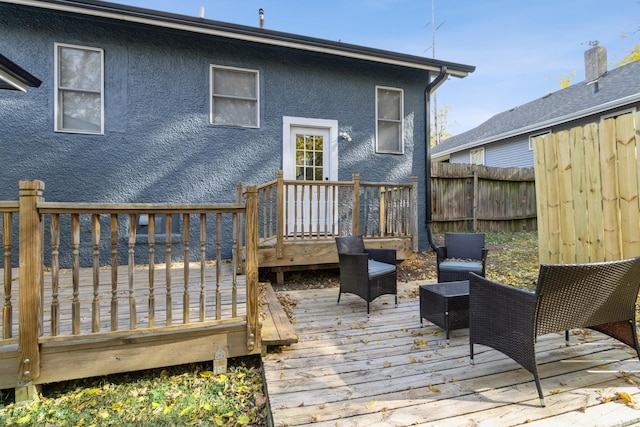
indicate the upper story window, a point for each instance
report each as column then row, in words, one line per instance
column 79, row 79
column 389, row 120
column 477, row 156
column 234, row 97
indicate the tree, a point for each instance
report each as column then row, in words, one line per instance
column 633, row 55
column 439, row 127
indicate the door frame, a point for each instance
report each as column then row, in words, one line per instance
column 288, row 146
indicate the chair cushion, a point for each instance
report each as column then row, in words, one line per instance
column 458, row 265
column 377, row 268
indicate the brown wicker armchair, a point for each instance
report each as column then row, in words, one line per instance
column 599, row 296
column 367, row 273
column 461, row 254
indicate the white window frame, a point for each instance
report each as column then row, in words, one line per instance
column 58, row 110
column 400, row 121
column 474, row 151
column 212, row 95
column 535, row 136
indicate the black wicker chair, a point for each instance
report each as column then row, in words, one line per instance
column 461, row 254
column 367, row 273
column 599, row 296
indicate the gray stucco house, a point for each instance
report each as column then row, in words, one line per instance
column 138, row 105
column 504, row 139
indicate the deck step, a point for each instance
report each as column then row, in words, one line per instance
column 276, row 326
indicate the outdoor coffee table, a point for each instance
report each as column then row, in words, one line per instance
column 445, row 305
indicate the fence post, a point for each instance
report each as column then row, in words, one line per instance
column 251, row 226
column 279, row 214
column 31, row 250
column 355, row 227
column 475, row 197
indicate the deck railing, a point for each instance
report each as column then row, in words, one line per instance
column 298, row 210
column 180, row 282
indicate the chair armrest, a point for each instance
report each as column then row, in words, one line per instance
column 388, row 256
column 485, row 253
column 441, row 254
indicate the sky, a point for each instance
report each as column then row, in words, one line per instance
column 521, row 49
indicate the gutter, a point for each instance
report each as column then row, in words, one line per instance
column 601, row 108
column 431, row 88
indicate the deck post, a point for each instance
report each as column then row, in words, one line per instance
column 251, row 226
column 280, row 215
column 355, row 228
column 31, row 250
column 414, row 213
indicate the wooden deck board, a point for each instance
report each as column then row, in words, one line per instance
column 352, row 370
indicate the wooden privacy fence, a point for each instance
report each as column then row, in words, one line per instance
column 468, row 197
column 113, row 317
column 587, row 181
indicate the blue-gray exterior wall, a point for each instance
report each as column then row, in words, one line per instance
column 158, row 145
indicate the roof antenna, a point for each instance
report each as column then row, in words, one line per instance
column 261, row 15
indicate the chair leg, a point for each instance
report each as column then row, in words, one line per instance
column 539, row 387
column 566, row 338
column 339, row 293
column 471, row 353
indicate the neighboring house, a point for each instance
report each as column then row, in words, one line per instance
column 138, row 105
column 13, row 77
column 504, row 139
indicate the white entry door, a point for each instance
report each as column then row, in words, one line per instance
column 310, row 153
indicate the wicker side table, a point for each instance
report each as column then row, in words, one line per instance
column 446, row 305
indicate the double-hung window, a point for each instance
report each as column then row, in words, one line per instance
column 234, row 97
column 476, row 156
column 79, row 92
column 389, row 120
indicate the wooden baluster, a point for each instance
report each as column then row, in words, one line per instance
column 7, row 308
column 151, row 233
column 95, row 305
column 114, row 271
column 168, row 268
column 295, row 210
column 318, row 207
column 326, row 211
column 366, row 211
column 234, row 261
column 75, row 273
column 203, row 261
column 55, row 274
column 133, row 321
column 185, row 247
column 356, row 204
column 218, row 264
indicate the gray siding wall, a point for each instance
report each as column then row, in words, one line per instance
column 158, row 145
column 504, row 154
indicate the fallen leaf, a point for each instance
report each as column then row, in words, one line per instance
column 371, row 404
column 434, row 388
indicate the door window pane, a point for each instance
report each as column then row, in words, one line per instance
column 309, row 152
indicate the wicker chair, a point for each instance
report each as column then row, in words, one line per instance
column 461, row 254
column 599, row 296
column 367, row 273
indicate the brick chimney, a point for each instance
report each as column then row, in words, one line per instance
column 595, row 62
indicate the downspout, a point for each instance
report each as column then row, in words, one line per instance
column 431, row 87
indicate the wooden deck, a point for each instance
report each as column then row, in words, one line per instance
column 386, row 370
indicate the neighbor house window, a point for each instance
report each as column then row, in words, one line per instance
column 389, row 114
column 477, row 156
column 535, row 136
column 234, row 97
column 79, row 100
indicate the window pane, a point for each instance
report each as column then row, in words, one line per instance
column 389, row 104
column 389, row 137
column 80, row 69
column 234, row 112
column 81, row 111
column 234, row 83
